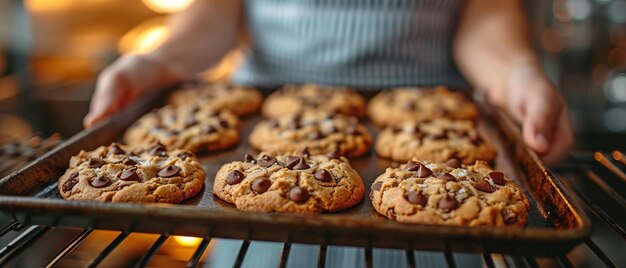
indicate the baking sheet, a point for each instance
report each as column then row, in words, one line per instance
column 556, row 224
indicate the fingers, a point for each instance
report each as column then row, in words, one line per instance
column 107, row 98
column 540, row 112
column 562, row 139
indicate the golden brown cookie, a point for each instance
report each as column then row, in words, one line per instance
column 115, row 173
column 294, row 99
column 435, row 141
column 450, row 194
column 318, row 132
column 409, row 104
column 289, row 183
column 219, row 96
column 193, row 128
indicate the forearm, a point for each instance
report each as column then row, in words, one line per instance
column 492, row 40
column 200, row 36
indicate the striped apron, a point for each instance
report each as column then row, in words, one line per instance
column 359, row 43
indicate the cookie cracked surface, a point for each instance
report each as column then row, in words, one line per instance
column 318, row 132
column 219, row 95
column 193, row 128
column 116, row 173
column 289, row 183
column 435, row 141
column 450, row 194
column 398, row 105
column 294, row 99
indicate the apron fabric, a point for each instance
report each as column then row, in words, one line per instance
column 359, row 43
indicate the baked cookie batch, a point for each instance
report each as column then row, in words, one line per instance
column 305, row 140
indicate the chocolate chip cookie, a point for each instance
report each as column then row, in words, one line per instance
column 318, row 132
column 289, row 183
column 434, row 140
column 450, row 194
column 194, row 128
column 409, row 104
column 116, row 173
column 293, row 99
column 219, row 96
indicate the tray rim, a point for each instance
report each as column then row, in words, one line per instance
column 20, row 204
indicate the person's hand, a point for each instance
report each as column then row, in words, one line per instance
column 539, row 107
column 121, row 83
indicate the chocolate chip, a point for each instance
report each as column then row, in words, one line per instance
column 409, row 106
column 223, row 123
column 291, row 161
column 116, row 149
column 417, row 198
column 497, row 177
column 69, row 184
column 376, row 186
column 483, row 186
column 423, row 171
column 260, row 185
column 301, row 165
column 209, row 130
column 184, row 155
column 295, row 122
column 315, row 135
column 215, row 113
column 323, row 175
column 412, row 166
column 74, row 175
column 304, row 152
column 446, row 176
column 509, row 217
column 267, row 161
column 169, row 171
column 248, row 158
column 95, row 163
column 448, row 204
column 299, row 194
column 100, row 181
column 158, row 150
column 234, row 177
column 130, row 175
column 454, row 163
column 130, row 162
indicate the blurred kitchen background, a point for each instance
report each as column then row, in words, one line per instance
column 52, row 50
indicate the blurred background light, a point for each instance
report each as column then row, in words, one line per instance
column 617, row 11
column 614, row 119
column 581, row 9
column 144, row 37
column 167, row 6
column 41, row 6
column 615, row 90
column 187, row 241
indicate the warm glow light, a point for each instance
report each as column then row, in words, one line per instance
column 145, row 37
column 617, row 57
column 187, row 241
column 167, row 6
column 36, row 6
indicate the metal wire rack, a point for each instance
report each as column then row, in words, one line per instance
column 597, row 178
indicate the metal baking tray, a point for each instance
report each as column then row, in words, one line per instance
column 556, row 222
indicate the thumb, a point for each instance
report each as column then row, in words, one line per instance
column 106, row 100
column 538, row 121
